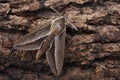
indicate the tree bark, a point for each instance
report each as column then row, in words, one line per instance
column 91, row 53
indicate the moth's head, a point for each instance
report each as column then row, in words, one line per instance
column 59, row 20
column 63, row 19
column 58, row 25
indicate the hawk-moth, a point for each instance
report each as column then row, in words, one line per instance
column 49, row 39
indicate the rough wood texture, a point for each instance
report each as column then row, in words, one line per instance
column 92, row 53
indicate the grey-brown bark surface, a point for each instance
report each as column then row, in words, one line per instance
column 92, row 52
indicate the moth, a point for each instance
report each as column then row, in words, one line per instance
column 49, row 39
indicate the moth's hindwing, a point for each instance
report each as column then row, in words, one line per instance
column 45, row 46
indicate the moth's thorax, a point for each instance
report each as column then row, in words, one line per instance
column 58, row 25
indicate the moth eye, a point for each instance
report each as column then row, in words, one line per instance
column 60, row 24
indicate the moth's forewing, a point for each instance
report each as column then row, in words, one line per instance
column 50, row 58
column 31, row 46
column 55, row 58
column 45, row 46
column 55, row 54
column 59, row 51
column 33, row 36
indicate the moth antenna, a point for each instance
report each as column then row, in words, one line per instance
column 55, row 11
column 72, row 25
